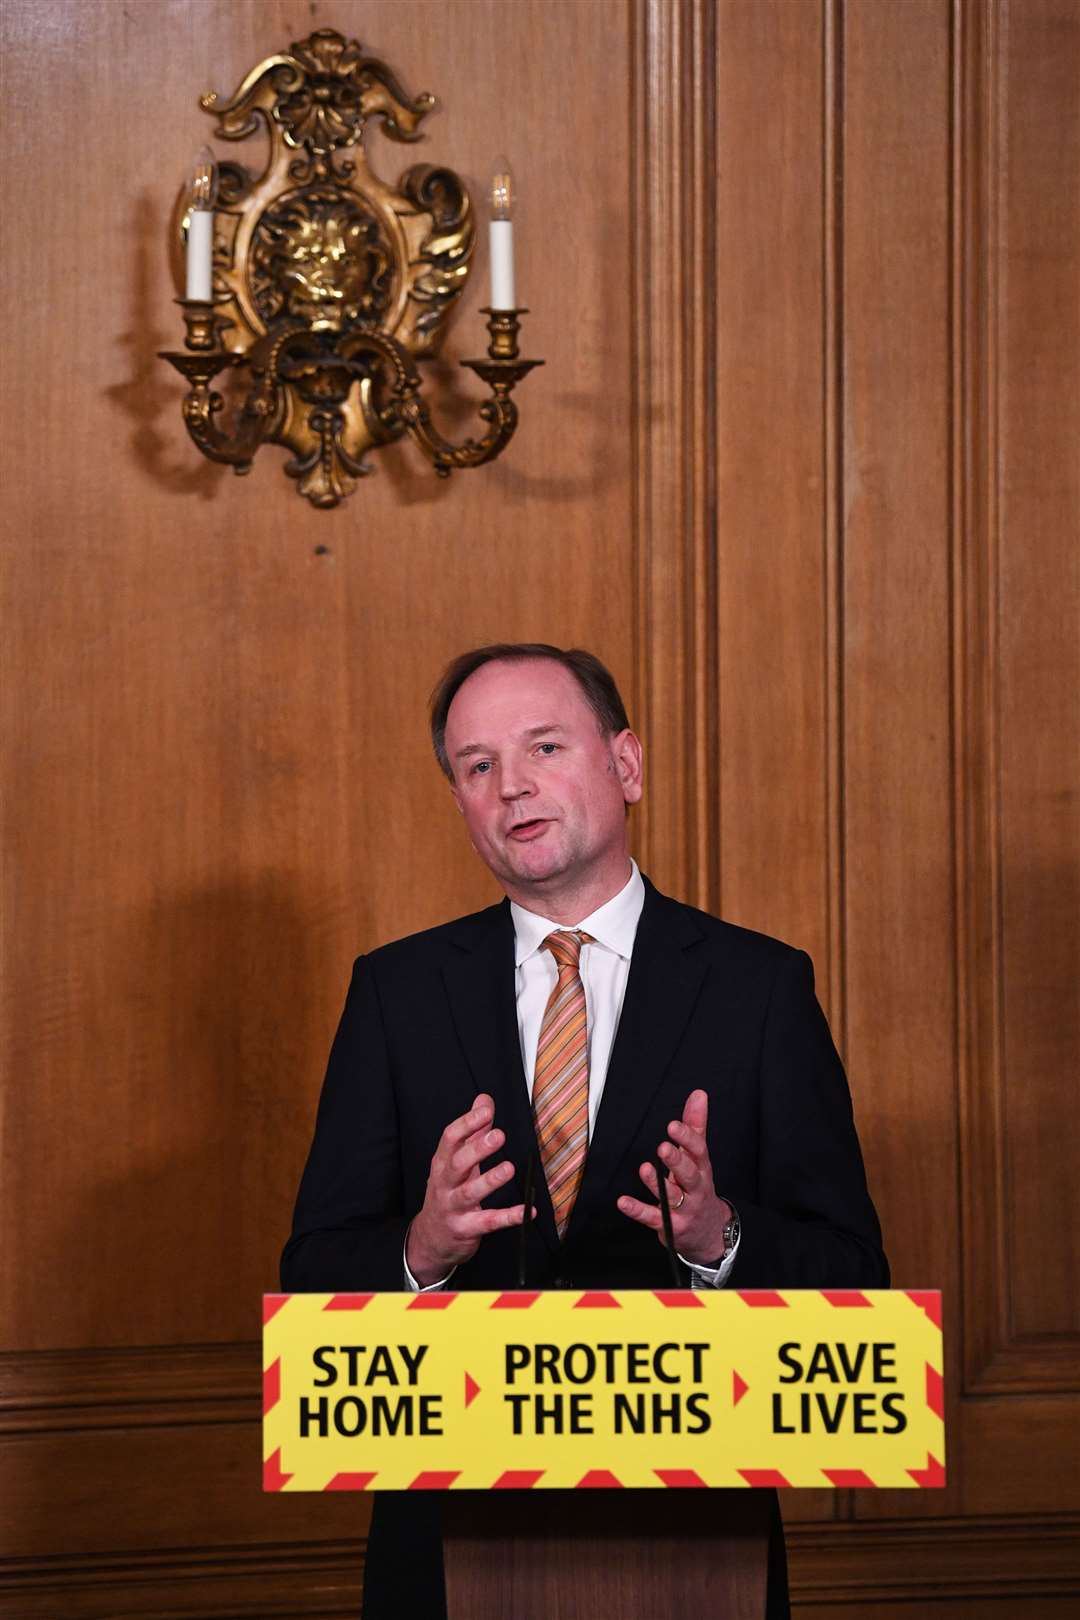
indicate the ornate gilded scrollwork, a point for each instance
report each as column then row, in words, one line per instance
column 328, row 283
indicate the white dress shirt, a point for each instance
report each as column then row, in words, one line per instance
column 604, row 968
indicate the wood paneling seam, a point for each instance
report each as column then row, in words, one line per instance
column 673, row 167
column 833, row 506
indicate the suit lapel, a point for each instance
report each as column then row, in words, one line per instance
column 479, row 979
column 664, row 982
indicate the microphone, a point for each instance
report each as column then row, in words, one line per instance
column 526, row 1219
column 665, row 1216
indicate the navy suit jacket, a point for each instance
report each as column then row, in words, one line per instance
column 431, row 1020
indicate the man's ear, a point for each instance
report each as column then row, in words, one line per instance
column 456, row 796
column 628, row 754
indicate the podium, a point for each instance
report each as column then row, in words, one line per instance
column 653, row 1555
column 596, row 1454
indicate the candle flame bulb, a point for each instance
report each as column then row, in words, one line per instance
column 202, row 182
column 502, row 191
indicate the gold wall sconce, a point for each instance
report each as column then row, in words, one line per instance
column 322, row 286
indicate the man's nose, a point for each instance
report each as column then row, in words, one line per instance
column 515, row 782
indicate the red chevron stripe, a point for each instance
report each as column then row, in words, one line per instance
column 349, row 1482
column 271, row 1385
column 517, row 1479
column 846, row 1298
column 928, row 1300
column 271, row 1304
column 598, row 1479
column 932, row 1477
column 433, row 1479
column 680, row 1479
column 935, row 1392
column 348, row 1302
column 273, row 1478
column 761, row 1477
column 849, row 1479
column 761, row 1297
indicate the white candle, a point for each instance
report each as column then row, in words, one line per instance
column 200, row 198
column 501, row 238
column 200, row 254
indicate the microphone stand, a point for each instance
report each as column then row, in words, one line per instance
column 669, row 1236
column 526, row 1220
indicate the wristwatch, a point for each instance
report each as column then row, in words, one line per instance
column 731, row 1235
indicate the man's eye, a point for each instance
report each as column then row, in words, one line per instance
column 549, row 748
column 481, row 767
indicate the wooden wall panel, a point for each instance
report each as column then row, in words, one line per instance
column 992, row 750
column 775, row 666
column 771, row 534
column 672, row 204
column 896, row 584
column 1018, row 717
column 801, row 466
column 1035, row 595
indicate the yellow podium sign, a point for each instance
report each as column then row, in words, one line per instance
column 653, row 1388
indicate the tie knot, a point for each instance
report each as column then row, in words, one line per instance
column 565, row 947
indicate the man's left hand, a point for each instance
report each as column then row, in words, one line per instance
column 698, row 1216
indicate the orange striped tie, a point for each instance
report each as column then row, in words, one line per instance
column 561, row 1079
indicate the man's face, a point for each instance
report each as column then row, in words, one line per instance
column 543, row 792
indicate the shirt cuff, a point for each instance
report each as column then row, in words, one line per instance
column 410, row 1281
column 713, row 1276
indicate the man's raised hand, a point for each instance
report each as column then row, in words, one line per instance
column 698, row 1216
column 449, row 1227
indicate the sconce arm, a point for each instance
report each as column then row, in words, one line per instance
column 203, row 404
column 499, row 412
column 406, row 410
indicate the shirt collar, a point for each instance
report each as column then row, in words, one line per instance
column 613, row 925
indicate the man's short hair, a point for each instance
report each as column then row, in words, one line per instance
column 596, row 682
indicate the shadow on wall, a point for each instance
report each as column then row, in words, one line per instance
column 229, row 1022
column 153, row 391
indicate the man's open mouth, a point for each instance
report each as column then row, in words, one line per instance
column 522, row 831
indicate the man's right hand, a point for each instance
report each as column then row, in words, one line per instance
column 449, row 1227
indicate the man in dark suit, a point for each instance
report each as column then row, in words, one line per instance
column 588, row 1023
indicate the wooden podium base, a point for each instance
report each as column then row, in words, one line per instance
column 599, row 1555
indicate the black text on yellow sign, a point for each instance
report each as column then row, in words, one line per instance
column 639, row 1389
